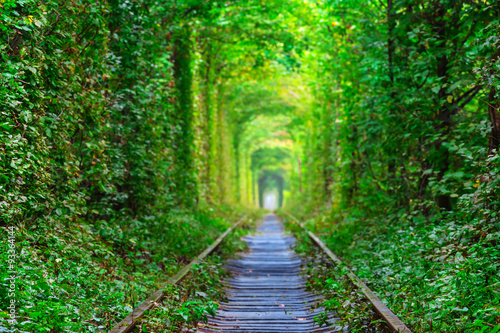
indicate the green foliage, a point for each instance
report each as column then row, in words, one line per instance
column 189, row 303
column 440, row 276
column 120, row 120
column 404, row 155
column 81, row 277
column 341, row 296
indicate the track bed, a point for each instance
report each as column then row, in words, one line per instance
column 267, row 294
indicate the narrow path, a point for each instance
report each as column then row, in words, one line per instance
column 267, row 294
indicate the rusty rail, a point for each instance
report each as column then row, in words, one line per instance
column 127, row 324
column 392, row 321
column 266, row 289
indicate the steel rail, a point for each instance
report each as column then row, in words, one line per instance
column 266, row 293
column 127, row 324
column 392, row 321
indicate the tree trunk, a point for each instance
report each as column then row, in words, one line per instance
column 493, row 111
column 441, row 158
column 184, row 139
column 391, row 166
column 300, row 174
column 494, row 139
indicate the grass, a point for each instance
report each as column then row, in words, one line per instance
column 78, row 276
column 341, row 297
column 436, row 276
column 189, row 303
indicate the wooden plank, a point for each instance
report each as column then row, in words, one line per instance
column 127, row 324
column 394, row 323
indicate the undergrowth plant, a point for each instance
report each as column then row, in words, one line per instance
column 342, row 299
column 189, row 303
column 439, row 273
column 87, row 278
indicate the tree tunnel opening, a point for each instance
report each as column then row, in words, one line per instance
column 270, row 165
column 270, row 187
column 271, row 198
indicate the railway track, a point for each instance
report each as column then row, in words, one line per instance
column 266, row 293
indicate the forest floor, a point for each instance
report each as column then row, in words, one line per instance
column 76, row 277
column 437, row 277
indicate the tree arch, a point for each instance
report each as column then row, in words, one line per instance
column 271, row 179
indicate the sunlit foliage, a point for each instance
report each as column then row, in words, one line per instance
column 122, row 119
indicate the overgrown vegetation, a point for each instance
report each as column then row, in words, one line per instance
column 407, row 157
column 198, row 296
column 104, row 143
column 87, row 278
column 342, row 299
column 122, row 123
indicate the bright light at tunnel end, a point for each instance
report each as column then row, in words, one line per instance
column 271, row 201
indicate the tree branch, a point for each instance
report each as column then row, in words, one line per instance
column 192, row 9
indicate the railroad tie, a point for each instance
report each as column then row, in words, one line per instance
column 267, row 294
